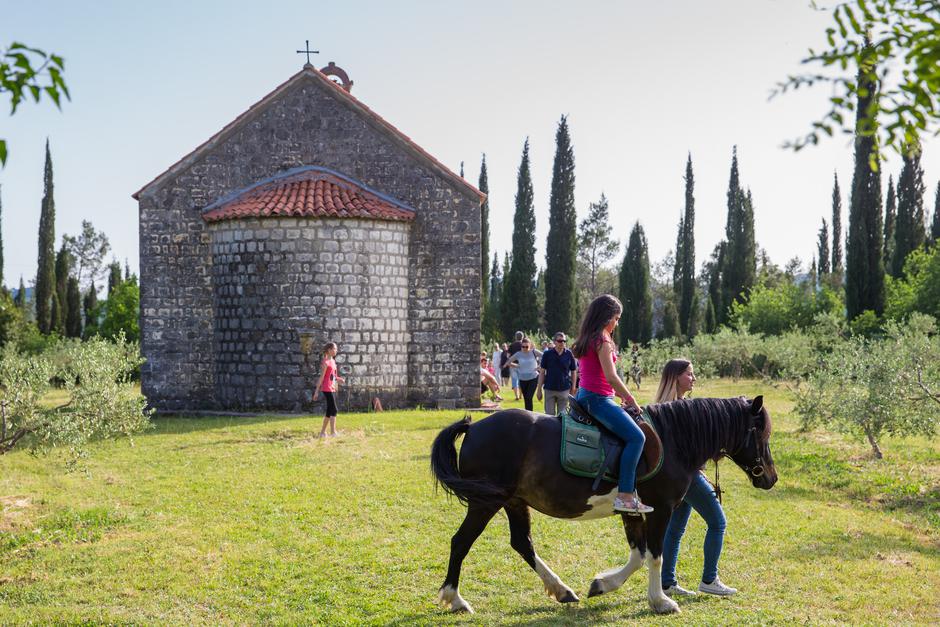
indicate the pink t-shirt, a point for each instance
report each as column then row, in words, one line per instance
column 591, row 376
column 329, row 375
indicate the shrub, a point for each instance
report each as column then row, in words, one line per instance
column 95, row 375
column 877, row 387
column 772, row 310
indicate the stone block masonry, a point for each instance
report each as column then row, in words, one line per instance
column 222, row 304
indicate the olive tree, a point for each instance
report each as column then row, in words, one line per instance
column 95, row 376
column 877, row 387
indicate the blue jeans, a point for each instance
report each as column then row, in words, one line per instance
column 702, row 498
column 514, row 377
column 608, row 411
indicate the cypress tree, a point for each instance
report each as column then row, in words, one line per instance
column 714, row 283
column 636, row 323
column 822, row 249
column 89, row 303
column 56, row 324
column 837, row 268
column 484, row 186
column 670, row 321
column 73, row 320
column 45, row 274
column 520, row 307
column 562, row 237
column 20, row 299
column 711, row 322
column 935, row 223
column 910, row 232
column 684, row 276
column 63, row 269
column 864, row 267
column 739, row 259
column 891, row 212
column 114, row 275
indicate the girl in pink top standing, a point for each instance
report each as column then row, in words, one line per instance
column 598, row 385
column 327, row 385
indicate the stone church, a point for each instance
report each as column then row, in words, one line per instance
column 308, row 219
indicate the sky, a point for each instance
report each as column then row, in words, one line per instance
column 644, row 84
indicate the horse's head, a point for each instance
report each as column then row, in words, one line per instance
column 753, row 455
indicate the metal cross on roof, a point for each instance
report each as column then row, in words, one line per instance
column 308, row 51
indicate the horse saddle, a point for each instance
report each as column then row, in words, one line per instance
column 589, row 449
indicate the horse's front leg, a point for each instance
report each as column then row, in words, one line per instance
column 611, row 579
column 656, row 524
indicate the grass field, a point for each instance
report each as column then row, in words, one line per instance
column 233, row 520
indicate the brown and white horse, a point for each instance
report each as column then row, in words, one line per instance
column 510, row 460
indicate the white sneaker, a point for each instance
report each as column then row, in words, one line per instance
column 678, row 591
column 631, row 506
column 716, row 588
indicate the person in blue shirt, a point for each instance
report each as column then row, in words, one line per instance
column 558, row 375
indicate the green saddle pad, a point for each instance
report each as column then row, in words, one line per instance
column 582, row 453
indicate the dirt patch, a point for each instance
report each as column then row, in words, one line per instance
column 14, row 512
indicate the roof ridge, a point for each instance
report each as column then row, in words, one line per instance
column 309, row 70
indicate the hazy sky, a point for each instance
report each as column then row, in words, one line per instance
column 643, row 83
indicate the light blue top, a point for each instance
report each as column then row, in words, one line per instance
column 528, row 365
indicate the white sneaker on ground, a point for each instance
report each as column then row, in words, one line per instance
column 716, row 588
column 631, row 506
column 678, row 591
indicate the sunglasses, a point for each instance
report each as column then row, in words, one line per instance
column 560, row 339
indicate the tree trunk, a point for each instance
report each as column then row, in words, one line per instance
column 873, row 442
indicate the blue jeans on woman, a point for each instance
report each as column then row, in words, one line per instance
column 700, row 497
column 608, row 411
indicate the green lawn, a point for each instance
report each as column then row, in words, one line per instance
column 230, row 520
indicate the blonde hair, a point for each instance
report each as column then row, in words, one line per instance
column 669, row 382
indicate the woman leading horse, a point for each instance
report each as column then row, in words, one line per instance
column 510, row 460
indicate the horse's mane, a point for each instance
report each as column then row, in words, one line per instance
column 698, row 428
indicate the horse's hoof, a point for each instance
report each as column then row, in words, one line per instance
column 596, row 589
column 569, row 597
column 665, row 606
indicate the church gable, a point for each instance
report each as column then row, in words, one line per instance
column 303, row 80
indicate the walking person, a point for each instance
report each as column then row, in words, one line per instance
column 504, row 365
column 558, row 375
column 328, row 384
column 497, row 359
column 526, row 368
column 599, row 383
column 514, row 348
column 677, row 381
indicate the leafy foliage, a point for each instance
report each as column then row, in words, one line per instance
column 885, row 54
column 772, row 310
column 29, row 72
column 596, row 247
column 88, row 251
column 94, row 375
column 121, row 312
column 877, row 387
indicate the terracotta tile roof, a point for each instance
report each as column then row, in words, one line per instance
column 308, row 192
column 311, row 72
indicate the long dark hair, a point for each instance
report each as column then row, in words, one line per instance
column 601, row 311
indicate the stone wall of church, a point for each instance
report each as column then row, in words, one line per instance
column 276, row 279
column 307, row 124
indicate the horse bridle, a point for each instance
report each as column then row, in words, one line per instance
column 755, row 471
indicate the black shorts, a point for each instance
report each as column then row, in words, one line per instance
column 330, row 404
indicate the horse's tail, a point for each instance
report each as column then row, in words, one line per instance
column 444, row 468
